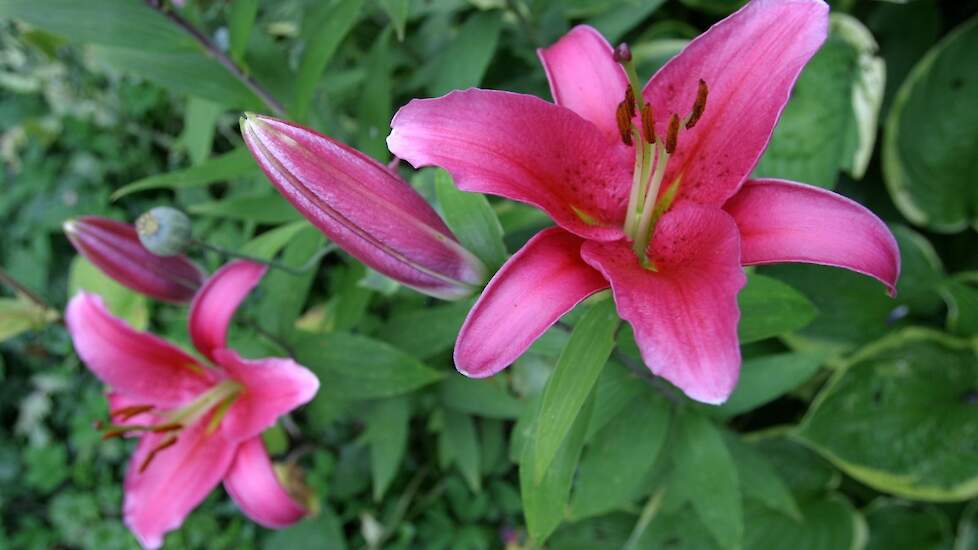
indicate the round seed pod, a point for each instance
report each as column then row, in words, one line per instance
column 164, row 231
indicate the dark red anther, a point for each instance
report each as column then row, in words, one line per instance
column 648, row 123
column 125, row 413
column 672, row 137
column 624, row 123
column 630, row 101
column 699, row 106
column 173, row 426
column 623, row 54
column 168, row 442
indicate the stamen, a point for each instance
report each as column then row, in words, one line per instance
column 166, row 443
column 672, row 137
column 624, row 123
column 648, row 124
column 630, row 100
column 699, row 106
column 171, row 427
column 125, row 413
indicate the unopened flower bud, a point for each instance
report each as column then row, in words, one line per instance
column 363, row 207
column 114, row 247
column 164, row 231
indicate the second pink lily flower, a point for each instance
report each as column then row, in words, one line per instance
column 649, row 190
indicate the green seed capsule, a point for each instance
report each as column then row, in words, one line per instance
column 164, row 231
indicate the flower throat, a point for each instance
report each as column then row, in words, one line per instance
column 651, row 155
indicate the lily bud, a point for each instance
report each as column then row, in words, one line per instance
column 363, row 207
column 114, row 247
column 164, row 231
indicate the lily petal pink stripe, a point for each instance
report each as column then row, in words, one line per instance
column 216, row 302
column 784, row 221
column 365, row 208
column 158, row 499
column 252, row 483
column 750, row 62
column 138, row 364
column 522, row 148
column 585, row 78
column 541, row 282
column 684, row 313
column 114, row 247
column 272, row 387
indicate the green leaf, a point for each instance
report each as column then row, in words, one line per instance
column 968, row 528
column 923, row 384
column 357, row 367
column 803, row 471
column 198, row 128
column 486, row 397
column 759, row 480
column 240, row 23
column 961, row 294
column 19, row 315
column 931, row 180
column 185, row 71
column 329, row 25
column 705, row 470
column 464, row 61
column 282, row 295
column 473, row 221
column 426, row 331
column 263, row 208
column 764, row 379
column 617, row 387
column 830, row 123
column 235, row 164
column 572, row 380
column 921, row 271
column 544, row 501
column 769, row 307
column 895, row 525
column 376, row 104
column 830, row 523
column 387, row 435
column 398, row 11
column 623, row 17
column 463, row 442
column 269, row 243
column 619, row 455
column 120, row 301
column 323, row 531
column 119, row 23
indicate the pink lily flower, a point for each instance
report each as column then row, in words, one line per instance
column 649, row 190
column 364, row 207
column 199, row 422
column 114, row 247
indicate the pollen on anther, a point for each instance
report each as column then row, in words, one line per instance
column 648, row 123
column 630, row 100
column 673, row 134
column 699, row 106
column 624, row 123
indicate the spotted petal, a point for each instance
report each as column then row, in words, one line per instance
column 684, row 313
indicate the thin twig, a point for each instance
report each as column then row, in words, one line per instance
column 19, row 288
column 212, row 50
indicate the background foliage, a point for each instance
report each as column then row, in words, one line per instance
column 855, row 424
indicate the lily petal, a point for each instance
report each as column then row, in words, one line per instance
column 539, row 284
column 750, row 62
column 252, row 483
column 114, row 247
column 522, row 148
column 174, row 481
column 585, row 78
column 685, row 313
column 143, row 367
column 215, row 304
column 272, row 387
column 784, row 221
column 365, row 208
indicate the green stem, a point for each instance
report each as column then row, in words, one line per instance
column 270, row 263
